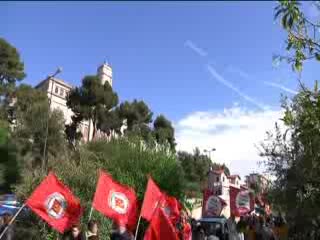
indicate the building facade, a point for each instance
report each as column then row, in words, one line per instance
column 219, row 183
column 58, row 90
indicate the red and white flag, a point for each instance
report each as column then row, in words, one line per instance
column 152, row 199
column 116, row 201
column 212, row 204
column 55, row 204
column 241, row 201
column 160, row 227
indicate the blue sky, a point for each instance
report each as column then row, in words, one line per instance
column 154, row 51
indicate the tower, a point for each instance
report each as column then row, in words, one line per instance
column 105, row 73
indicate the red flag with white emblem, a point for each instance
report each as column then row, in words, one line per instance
column 55, row 203
column 241, row 201
column 212, row 204
column 116, row 201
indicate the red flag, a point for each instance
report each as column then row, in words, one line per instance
column 171, row 207
column 187, row 232
column 212, row 205
column 152, row 199
column 55, row 204
column 160, row 227
column 116, row 201
column 241, row 201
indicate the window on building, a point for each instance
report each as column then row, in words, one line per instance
column 223, row 179
column 56, row 91
column 219, row 192
column 61, row 92
column 217, row 179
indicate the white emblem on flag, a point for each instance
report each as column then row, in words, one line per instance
column 118, row 202
column 243, row 201
column 56, row 205
column 213, row 206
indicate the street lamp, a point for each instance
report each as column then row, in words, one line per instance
column 209, row 151
column 51, row 77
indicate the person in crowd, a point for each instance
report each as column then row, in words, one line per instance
column 120, row 233
column 9, row 234
column 92, row 233
column 202, row 234
column 75, row 233
column 267, row 233
column 1, row 221
column 232, row 226
column 251, row 234
column 283, row 229
column 258, row 227
column 241, row 228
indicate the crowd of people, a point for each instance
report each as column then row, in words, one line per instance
column 250, row 227
column 75, row 233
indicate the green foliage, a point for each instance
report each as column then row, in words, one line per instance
column 196, row 167
column 292, row 151
column 128, row 161
column 31, row 115
column 11, row 67
column 110, row 120
column 293, row 156
column 92, row 100
column 72, row 132
column 9, row 169
column 303, row 41
column 164, row 131
column 137, row 114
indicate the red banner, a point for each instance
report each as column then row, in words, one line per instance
column 212, row 205
column 241, row 201
column 55, row 204
column 116, row 201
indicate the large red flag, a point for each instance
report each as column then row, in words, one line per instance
column 241, row 201
column 160, row 227
column 55, row 204
column 116, row 201
column 152, row 199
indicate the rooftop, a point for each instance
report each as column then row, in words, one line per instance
column 234, row 176
column 60, row 81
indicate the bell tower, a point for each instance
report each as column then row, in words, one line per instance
column 105, row 73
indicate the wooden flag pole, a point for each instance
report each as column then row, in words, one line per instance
column 91, row 210
column 12, row 220
column 90, row 214
column 137, row 230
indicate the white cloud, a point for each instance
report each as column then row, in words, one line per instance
column 235, row 133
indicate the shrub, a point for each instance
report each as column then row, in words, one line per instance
column 129, row 162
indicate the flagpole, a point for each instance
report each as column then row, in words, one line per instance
column 90, row 214
column 12, row 220
column 137, row 230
